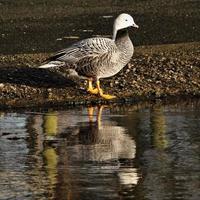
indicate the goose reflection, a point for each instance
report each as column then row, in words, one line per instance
column 96, row 139
column 89, row 145
column 103, row 140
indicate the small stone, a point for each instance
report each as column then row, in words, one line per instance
column 116, row 82
column 1, row 85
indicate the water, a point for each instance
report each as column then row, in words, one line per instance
column 107, row 152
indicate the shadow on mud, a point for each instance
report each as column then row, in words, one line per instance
column 34, row 77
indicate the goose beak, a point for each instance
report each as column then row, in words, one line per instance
column 135, row 26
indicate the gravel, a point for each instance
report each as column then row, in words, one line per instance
column 161, row 71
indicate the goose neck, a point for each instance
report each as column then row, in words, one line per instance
column 122, row 38
column 121, row 34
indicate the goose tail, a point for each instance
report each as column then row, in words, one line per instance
column 52, row 64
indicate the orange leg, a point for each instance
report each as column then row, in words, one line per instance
column 100, row 91
column 91, row 89
column 90, row 113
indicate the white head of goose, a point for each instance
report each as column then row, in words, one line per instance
column 123, row 21
column 98, row 57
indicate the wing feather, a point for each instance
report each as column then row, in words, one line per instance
column 89, row 65
column 85, row 50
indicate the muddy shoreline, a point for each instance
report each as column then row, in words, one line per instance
column 155, row 72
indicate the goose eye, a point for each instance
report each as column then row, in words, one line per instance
column 126, row 20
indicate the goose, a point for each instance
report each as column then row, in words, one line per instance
column 98, row 57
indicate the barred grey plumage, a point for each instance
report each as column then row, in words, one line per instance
column 98, row 57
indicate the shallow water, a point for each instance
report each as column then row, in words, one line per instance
column 107, row 152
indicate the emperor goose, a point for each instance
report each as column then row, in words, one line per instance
column 98, row 57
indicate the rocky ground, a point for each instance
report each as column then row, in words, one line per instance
column 154, row 72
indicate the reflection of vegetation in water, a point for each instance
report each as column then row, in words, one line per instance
column 51, row 159
column 158, row 124
column 50, row 128
column 50, row 124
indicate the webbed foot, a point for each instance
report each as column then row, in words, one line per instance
column 107, row 96
column 93, row 90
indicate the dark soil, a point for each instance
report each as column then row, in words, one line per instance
column 35, row 26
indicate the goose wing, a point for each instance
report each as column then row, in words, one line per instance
column 85, row 51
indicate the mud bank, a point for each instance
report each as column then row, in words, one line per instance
column 154, row 72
